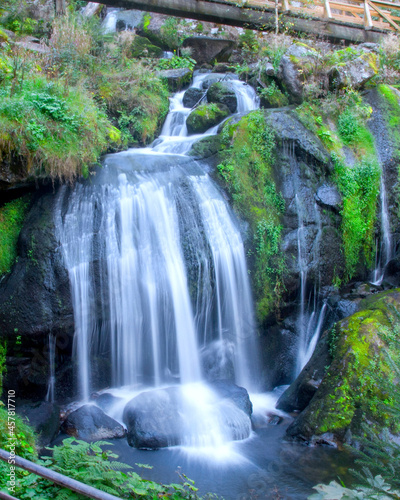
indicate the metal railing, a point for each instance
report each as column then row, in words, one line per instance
column 54, row 477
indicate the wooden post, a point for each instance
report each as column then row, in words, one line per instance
column 367, row 16
column 327, row 9
column 285, row 5
column 60, row 7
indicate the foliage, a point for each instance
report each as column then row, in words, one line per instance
column 14, row 432
column 377, row 450
column 273, row 96
column 53, row 130
column 89, row 464
column 389, row 59
column 12, row 216
column 375, row 489
column 176, row 62
column 247, row 171
column 3, row 350
column 358, row 183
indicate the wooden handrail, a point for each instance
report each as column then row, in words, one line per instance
column 55, row 477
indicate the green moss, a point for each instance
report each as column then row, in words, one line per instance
column 206, row 116
column 247, row 172
column 12, row 216
column 358, row 183
column 354, row 389
column 272, row 96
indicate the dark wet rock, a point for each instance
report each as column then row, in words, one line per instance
column 355, row 73
column 223, row 93
column 40, row 275
column 208, row 50
column 142, row 47
column 299, row 394
column 329, row 197
column 44, row 418
column 164, row 417
column 206, row 116
column 392, row 272
column 192, row 97
column 223, row 68
column 238, row 395
column 153, row 419
column 177, row 78
column 204, row 148
column 91, row 423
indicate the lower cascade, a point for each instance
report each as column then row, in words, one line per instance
column 162, row 303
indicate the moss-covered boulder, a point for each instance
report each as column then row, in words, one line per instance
column 223, row 93
column 177, row 78
column 355, row 73
column 356, row 381
column 205, row 117
column 142, row 47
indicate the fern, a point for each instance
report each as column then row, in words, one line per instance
column 90, row 464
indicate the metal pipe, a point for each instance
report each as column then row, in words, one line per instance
column 56, row 477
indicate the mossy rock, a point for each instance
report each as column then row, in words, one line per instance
column 177, row 78
column 355, row 384
column 205, row 117
column 142, row 47
column 223, row 93
column 204, row 148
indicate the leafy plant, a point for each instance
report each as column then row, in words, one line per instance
column 90, row 464
column 177, row 62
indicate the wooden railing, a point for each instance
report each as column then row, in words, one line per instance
column 368, row 13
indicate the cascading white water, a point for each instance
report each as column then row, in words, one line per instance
column 384, row 253
column 158, row 276
column 52, row 366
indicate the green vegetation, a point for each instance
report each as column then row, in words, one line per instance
column 272, row 96
column 358, row 183
column 378, row 453
column 12, row 216
column 206, row 116
column 177, row 62
column 247, row 172
column 62, row 108
column 88, row 463
column 355, row 387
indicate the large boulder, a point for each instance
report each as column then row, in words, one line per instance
column 290, row 69
column 91, row 423
column 206, row 50
column 153, row 419
column 192, row 97
column 184, row 415
column 176, row 78
column 354, row 383
column 355, row 73
column 142, row 47
column 206, row 116
column 223, row 93
column 329, row 197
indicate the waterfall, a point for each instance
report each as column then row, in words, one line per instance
column 52, row 367
column 157, row 268
column 384, row 251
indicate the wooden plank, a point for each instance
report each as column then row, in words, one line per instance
column 396, row 26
